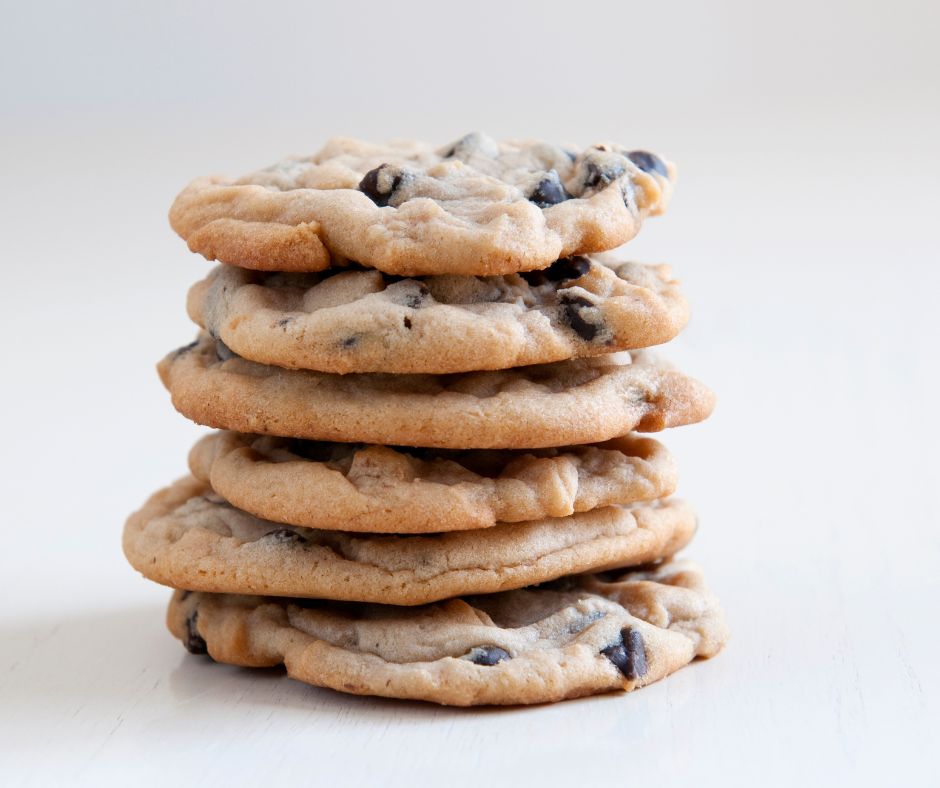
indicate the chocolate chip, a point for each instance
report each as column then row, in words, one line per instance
column 573, row 304
column 549, row 191
column 284, row 321
column 648, row 162
column 194, row 643
column 349, row 342
column 630, row 655
column 378, row 186
column 565, row 268
column 488, row 655
column 409, row 293
column 601, row 169
column 571, row 267
column 223, row 352
column 407, row 322
column 284, row 536
column 416, row 300
column 186, row 595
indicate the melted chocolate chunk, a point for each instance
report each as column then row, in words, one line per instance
column 549, row 191
column 194, row 643
column 488, row 655
column 648, row 162
column 284, row 321
column 416, row 300
column 601, row 170
column 573, row 304
column 565, row 268
column 349, row 342
column 284, row 536
column 630, row 655
column 379, row 194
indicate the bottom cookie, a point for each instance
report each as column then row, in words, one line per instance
column 576, row 636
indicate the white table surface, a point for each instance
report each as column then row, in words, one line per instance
column 807, row 241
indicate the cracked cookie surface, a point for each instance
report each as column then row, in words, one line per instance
column 561, row 404
column 578, row 636
column 382, row 489
column 188, row 537
column 476, row 206
column 365, row 321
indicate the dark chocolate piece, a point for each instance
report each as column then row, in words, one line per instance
column 648, row 162
column 371, row 187
column 565, row 268
column 489, row 655
column 284, row 536
column 630, row 655
column 573, row 304
column 549, row 191
column 603, row 168
column 194, row 643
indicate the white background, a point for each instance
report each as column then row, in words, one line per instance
column 804, row 228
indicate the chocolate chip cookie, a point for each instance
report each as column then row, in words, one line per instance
column 562, row 404
column 365, row 321
column 578, row 636
column 385, row 489
column 187, row 537
column 474, row 207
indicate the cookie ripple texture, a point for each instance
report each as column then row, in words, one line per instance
column 578, row 636
column 378, row 489
column 365, row 321
column 476, row 207
column 562, row 404
column 188, row 537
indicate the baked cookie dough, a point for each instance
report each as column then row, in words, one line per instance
column 381, row 489
column 578, row 636
column 187, row 537
column 562, row 404
column 477, row 206
column 365, row 321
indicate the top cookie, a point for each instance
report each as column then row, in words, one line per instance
column 476, row 207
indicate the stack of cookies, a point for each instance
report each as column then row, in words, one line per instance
column 426, row 379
